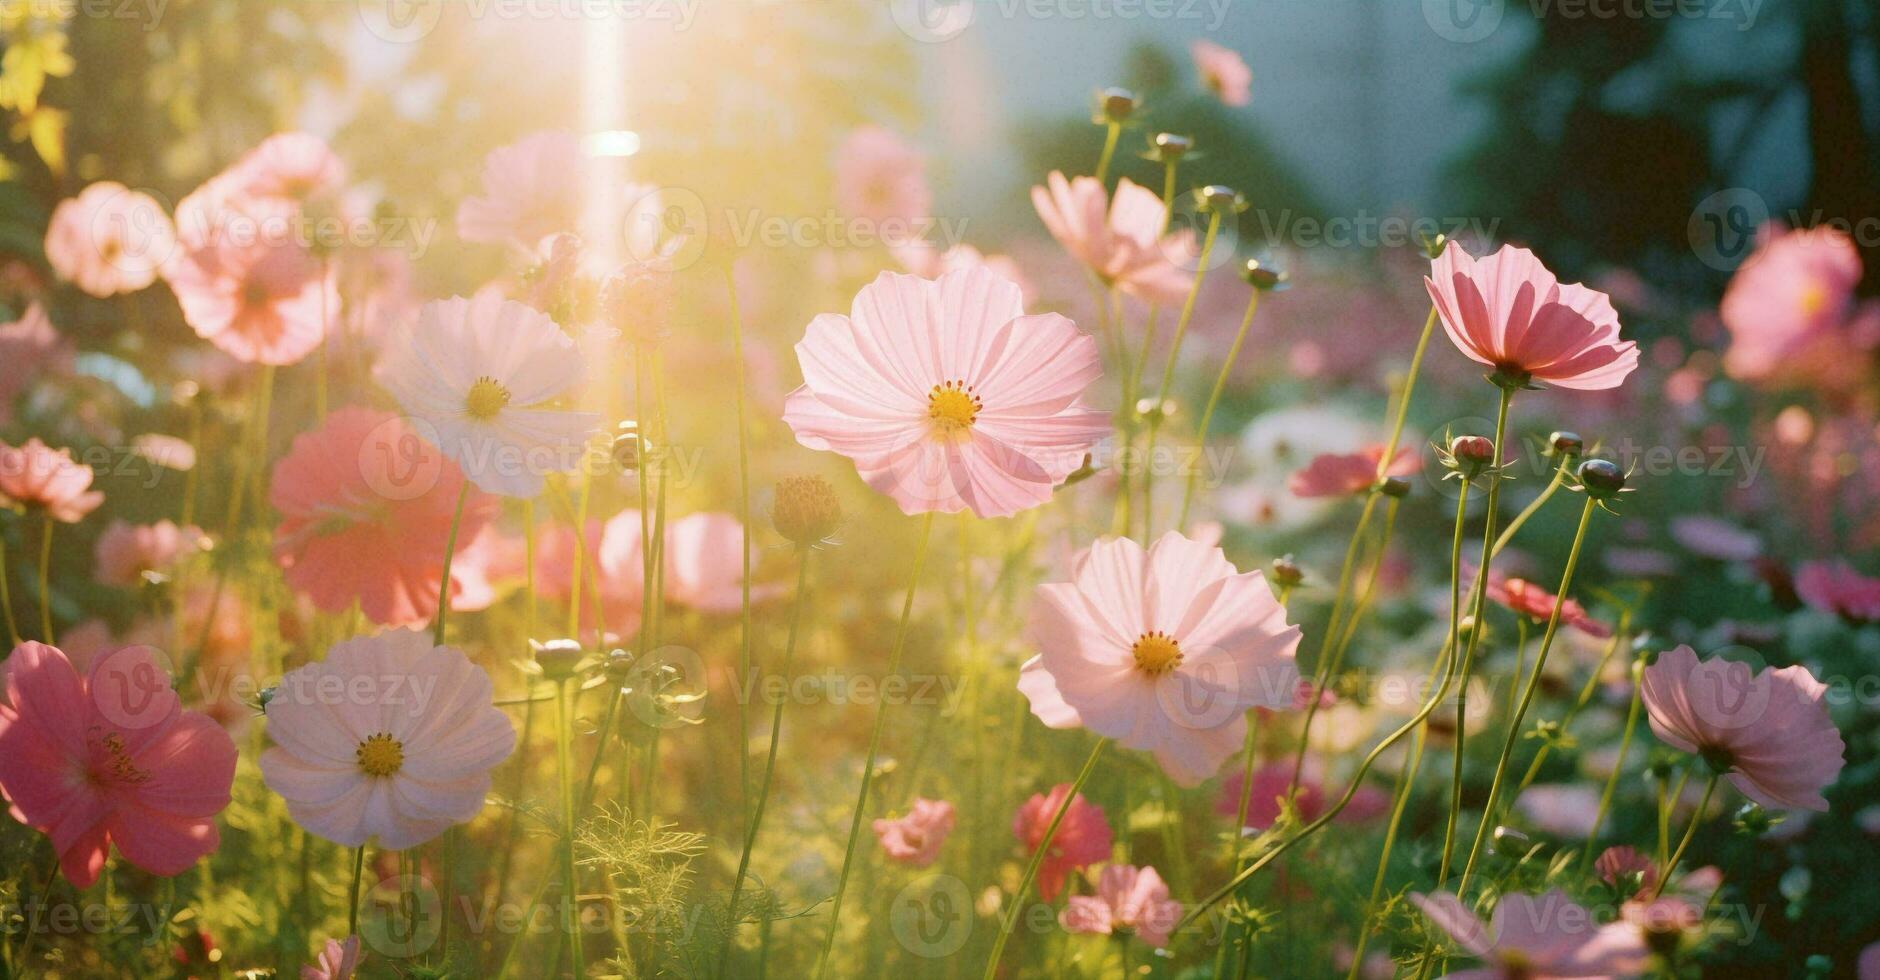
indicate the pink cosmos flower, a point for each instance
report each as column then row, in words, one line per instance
column 1868, row 967
column 31, row 350
column 1770, row 732
column 705, row 563
column 1536, row 603
column 616, row 556
column 295, row 166
column 1536, row 937
column 1343, row 474
column 881, row 179
column 111, row 759
column 337, row 961
column 1128, row 899
column 109, row 239
column 1120, row 240
column 404, row 753
column 916, row 839
column 1164, row 651
column 531, row 190
column 1561, row 809
column 946, row 395
column 1615, row 863
column 1714, row 537
column 260, row 303
column 1793, row 292
column 1083, row 837
column 928, row 262
column 366, row 509
column 1835, row 587
column 1222, row 72
column 36, row 476
column 125, row 551
column 1270, row 782
column 1508, row 312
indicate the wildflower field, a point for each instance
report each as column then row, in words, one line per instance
column 570, row 490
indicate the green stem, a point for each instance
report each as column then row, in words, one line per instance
column 6, row 594
column 1697, row 817
column 1010, row 921
column 1579, row 704
column 1214, row 398
column 564, row 739
column 450, row 552
column 1474, row 639
column 45, row 579
column 1560, row 475
column 1527, row 696
column 874, row 747
column 1403, row 401
column 770, row 757
column 744, row 518
column 1322, row 661
column 352, row 903
column 1612, row 780
column 1109, row 151
column 1168, row 370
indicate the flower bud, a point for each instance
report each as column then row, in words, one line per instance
column 806, row 511
column 1152, row 410
column 1395, row 487
column 557, row 659
column 629, row 449
column 1116, row 105
column 1602, row 478
column 1221, row 198
column 1287, row 573
column 619, row 664
column 1168, row 147
column 1511, row 843
column 1433, row 245
column 1563, row 443
column 1473, row 449
column 1265, row 278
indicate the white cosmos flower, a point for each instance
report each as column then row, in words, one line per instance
column 478, row 372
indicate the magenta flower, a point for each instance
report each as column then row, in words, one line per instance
column 1270, row 783
column 1120, row 240
column 1769, row 732
column 946, row 395
column 1837, row 588
column 1536, row 603
column 1223, row 72
column 34, row 475
column 125, row 551
column 1794, row 291
column 1163, row 650
column 337, row 961
column 109, row 239
column 1506, row 311
column 916, row 838
column 880, row 179
column 1083, row 837
column 1536, row 937
column 105, row 759
column 1128, row 899
column 1343, row 474
column 294, row 166
column 1713, row 537
column 1615, row 863
column 389, row 737
column 259, row 302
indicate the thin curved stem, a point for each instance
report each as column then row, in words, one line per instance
column 6, row 595
column 1479, row 591
column 450, row 552
column 352, row 904
column 1697, row 817
column 1579, row 703
column 1109, row 151
column 1322, row 661
column 564, row 757
column 1527, row 696
column 1214, row 398
column 1168, row 370
column 1560, row 475
column 1612, row 779
column 874, row 747
column 1010, row 921
column 1403, row 401
column 770, row 758
column 45, row 579
column 744, row 518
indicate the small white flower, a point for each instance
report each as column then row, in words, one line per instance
column 477, row 371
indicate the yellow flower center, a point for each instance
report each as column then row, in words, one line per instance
column 952, row 407
column 380, row 755
column 485, row 399
column 1156, row 653
column 1814, row 297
